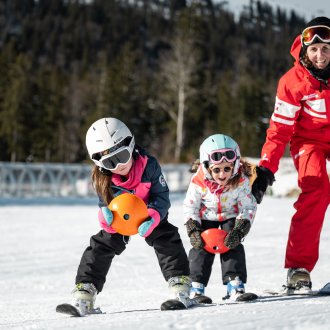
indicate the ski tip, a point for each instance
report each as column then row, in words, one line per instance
column 172, row 304
column 68, row 309
column 325, row 290
column 247, row 296
column 203, row 299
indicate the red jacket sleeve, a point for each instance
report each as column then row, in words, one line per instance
column 282, row 122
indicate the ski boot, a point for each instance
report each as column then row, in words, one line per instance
column 197, row 289
column 179, row 287
column 197, row 293
column 235, row 288
column 298, row 281
column 84, row 296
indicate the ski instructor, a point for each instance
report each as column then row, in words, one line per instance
column 302, row 117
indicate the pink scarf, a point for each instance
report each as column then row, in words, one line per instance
column 134, row 175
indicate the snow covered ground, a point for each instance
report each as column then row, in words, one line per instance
column 41, row 246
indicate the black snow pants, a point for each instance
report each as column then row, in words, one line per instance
column 165, row 239
column 232, row 262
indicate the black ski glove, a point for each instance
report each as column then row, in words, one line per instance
column 235, row 236
column 194, row 231
column 265, row 178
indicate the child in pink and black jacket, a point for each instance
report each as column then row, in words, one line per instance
column 122, row 167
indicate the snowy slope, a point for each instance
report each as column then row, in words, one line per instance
column 41, row 247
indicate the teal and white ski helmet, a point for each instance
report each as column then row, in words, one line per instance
column 218, row 148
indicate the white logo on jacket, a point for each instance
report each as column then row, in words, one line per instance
column 162, row 180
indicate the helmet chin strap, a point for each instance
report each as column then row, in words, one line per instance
column 135, row 153
column 206, row 164
column 236, row 167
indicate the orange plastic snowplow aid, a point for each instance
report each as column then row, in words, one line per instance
column 129, row 211
column 213, row 239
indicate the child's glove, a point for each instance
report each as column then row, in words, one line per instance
column 235, row 236
column 265, row 178
column 194, row 231
column 105, row 217
column 146, row 227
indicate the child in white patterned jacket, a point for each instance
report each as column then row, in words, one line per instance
column 219, row 195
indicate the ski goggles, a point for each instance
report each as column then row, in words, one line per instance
column 111, row 158
column 111, row 162
column 217, row 170
column 218, row 156
column 321, row 32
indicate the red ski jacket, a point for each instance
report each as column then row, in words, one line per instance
column 302, row 110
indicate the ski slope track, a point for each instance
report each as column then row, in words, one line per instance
column 40, row 250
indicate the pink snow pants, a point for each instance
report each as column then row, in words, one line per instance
column 306, row 224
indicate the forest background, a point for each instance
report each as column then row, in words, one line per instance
column 173, row 71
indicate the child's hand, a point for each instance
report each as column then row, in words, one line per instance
column 146, row 227
column 194, row 231
column 105, row 217
column 235, row 236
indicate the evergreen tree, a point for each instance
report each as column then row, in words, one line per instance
column 66, row 63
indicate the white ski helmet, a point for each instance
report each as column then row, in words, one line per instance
column 217, row 148
column 109, row 143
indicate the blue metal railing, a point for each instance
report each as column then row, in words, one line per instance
column 22, row 180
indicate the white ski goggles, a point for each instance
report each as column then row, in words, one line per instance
column 112, row 158
column 112, row 161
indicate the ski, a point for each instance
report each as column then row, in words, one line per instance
column 204, row 300
column 74, row 311
column 185, row 302
column 324, row 291
column 68, row 309
column 172, row 304
column 242, row 298
column 272, row 295
column 247, row 296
